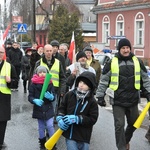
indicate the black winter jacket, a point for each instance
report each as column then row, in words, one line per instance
column 15, row 56
column 126, row 95
column 86, row 109
column 46, row 111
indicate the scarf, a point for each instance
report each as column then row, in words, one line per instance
column 38, row 80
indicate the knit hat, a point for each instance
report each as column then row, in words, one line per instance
column 39, row 47
column 28, row 49
column 86, row 81
column 41, row 69
column 54, row 43
column 88, row 48
column 123, row 42
column 80, row 55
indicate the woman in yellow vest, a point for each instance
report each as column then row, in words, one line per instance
column 122, row 79
column 8, row 78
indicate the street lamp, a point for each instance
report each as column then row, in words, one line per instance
column 34, row 23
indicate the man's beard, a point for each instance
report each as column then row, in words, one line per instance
column 83, row 64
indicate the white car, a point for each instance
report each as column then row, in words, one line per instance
column 103, row 58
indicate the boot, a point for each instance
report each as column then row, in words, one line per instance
column 147, row 135
column 42, row 142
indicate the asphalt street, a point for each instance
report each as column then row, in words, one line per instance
column 22, row 132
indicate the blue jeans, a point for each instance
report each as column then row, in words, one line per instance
column 73, row 145
column 44, row 125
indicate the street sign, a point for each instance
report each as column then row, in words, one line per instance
column 116, row 37
column 22, row 28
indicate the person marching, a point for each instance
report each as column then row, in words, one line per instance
column 8, row 80
column 25, row 64
column 43, row 110
column 123, row 77
column 78, row 112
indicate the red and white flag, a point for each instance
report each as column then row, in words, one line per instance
column 3, row 38
column 71, row 53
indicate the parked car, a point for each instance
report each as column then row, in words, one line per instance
column 103, row 58
column 25, row 45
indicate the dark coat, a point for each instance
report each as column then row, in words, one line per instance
column 126, row 95
column 86, row 109
column 25, row 65
column 15, row 56
column 46, row 111
column 5, row 99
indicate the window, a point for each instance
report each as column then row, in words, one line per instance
column 120, row 25
column 105, row 30
column 139, row 29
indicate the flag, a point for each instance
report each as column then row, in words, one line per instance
column 3, row 38
column 6, row 32
column 71, row 53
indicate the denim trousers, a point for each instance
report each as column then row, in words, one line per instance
column 123, row 136
column 74, row 145
column 45, row 125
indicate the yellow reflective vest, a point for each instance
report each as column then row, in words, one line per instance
column 115, row 73
column 5, row 71
column 54, row 71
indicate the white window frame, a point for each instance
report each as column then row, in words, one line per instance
column 106, row 31
column 139, row 31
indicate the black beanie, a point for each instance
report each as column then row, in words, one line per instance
column 86, row 81
column 80, row 55
column 123, row 42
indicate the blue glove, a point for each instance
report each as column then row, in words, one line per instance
column 70, row 119
column 49, row 96
column 38, row 102
column 62, row 125
column 58, row 118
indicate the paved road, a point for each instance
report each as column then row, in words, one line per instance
column 22, row 132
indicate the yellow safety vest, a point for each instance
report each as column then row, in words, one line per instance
column 5, row 71
column 54, row 72
column 115, row 73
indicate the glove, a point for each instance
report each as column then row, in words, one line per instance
column 62, row 125
column 101, row 101
column 70, row 119
column 49, row 96
column 38, row 102
column 58, row 118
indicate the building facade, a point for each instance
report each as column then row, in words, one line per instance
column 117, row 19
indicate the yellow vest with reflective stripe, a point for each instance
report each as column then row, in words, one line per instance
column 54, row 72
column 5, row 71
column 115, row 73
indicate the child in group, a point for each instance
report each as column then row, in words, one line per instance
column 78, row 112
column 43, row 110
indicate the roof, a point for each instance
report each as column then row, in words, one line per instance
column 121, row 6
column 84, row 1
column 91, row 27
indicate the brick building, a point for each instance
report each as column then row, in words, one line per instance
column 129, row 18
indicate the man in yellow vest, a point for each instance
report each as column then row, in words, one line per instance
column 8, row 77
column 122, row 79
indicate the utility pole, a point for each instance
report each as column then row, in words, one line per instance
column 34, row 23
column 5, row 15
